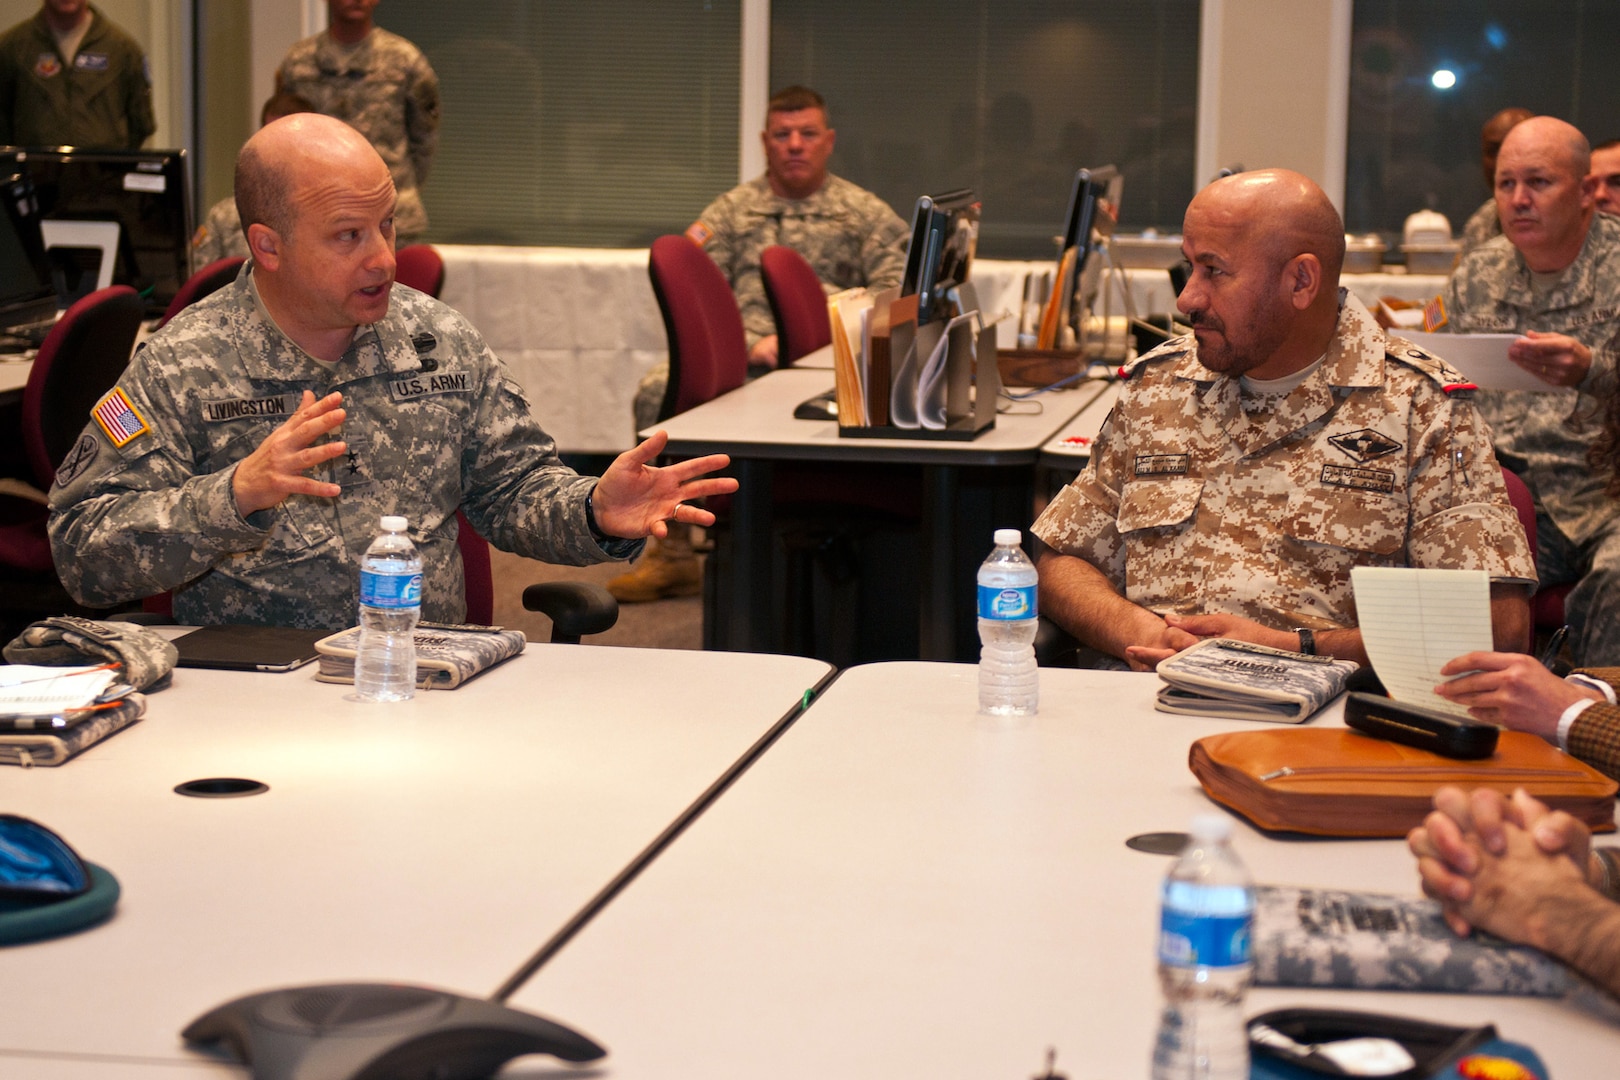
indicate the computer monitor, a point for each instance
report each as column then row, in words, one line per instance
column 944, row 235
column 144, row 191
column 27, row 295
column 1093, row 213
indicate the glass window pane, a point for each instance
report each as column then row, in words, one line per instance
column 1413, row 144
column 1008, row 99
column 603, row 124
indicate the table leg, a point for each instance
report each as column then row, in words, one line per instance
column 748, row 627
column 936, row 630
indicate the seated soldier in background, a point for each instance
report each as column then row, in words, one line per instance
column 1523, row 873
column 847, row 234
column 220, row 234
column 1483, row 224
column 1248, row 468
column 212, row 467
column 1605, row 174
column 1553, row 277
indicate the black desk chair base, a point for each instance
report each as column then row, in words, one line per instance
column 575, row 608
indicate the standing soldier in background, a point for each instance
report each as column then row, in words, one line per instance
column 70, row 77
column 382, row 86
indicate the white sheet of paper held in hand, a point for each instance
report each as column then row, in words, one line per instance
column 1413, row 622
column 1482, row 358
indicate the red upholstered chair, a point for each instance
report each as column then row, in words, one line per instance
column 211, row 278
column 420, row 267
column 480, row 582
column 708, row 354
column 798, row 303
column 1547, row 605
column 80, row 359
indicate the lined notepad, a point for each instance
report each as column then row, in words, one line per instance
column 1414, row 621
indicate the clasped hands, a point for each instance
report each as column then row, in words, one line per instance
column 633, row 498
column 1184, row 631
column 1493, row 861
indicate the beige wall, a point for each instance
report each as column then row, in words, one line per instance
column 1274, row 88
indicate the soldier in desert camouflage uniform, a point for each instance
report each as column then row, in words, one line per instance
column 1242, row 475
column 207, row 469
column 848, row 235
column 383, row 86
column 1554, row 278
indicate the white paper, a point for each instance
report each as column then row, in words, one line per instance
column 1414, row 622
column 1483, row 358
column 931, row 380
column 29, row 689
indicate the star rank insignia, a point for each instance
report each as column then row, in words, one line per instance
column 1365, row 445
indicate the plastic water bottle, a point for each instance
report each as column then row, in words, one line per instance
column 1206, row 916
column 1009, row 684
column 390, row 605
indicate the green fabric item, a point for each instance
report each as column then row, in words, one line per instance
column 26, row 920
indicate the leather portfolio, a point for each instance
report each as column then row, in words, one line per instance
column 1336, row 782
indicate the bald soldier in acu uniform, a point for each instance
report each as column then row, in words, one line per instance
column 209, row 469
column 1246, row 470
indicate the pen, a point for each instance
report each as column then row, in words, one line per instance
column 1549, row 655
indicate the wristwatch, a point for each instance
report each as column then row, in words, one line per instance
column 1307, row 640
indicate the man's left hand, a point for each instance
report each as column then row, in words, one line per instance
column 1556, row 359
column 635, row 499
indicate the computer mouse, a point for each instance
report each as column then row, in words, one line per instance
column 372, row 1031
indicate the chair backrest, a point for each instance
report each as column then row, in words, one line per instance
column 798, row 302
column 81, row 358
column 211, row 278
column 708, row 353
column 420, row 267
column 475, row 568
column 1524, row 505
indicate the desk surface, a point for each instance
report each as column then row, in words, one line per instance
column 756, row 420
column 439, row 841
column 14, row 371
column 900, row 889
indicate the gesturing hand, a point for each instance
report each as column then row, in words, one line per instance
column 276, row 468
column 635, row 499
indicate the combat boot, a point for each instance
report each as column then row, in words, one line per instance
column 668, row 567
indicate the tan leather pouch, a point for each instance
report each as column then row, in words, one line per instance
column 1336, row 782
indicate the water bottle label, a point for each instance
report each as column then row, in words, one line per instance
column 1187, row 940
column 390, row 590
column 997, row 603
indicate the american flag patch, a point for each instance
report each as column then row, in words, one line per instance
column 118, row 418
column 1434, row 315
column 699, row 233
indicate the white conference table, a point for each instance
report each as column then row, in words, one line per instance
column 899, row 888
column 438, row 841
column 756, row 426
